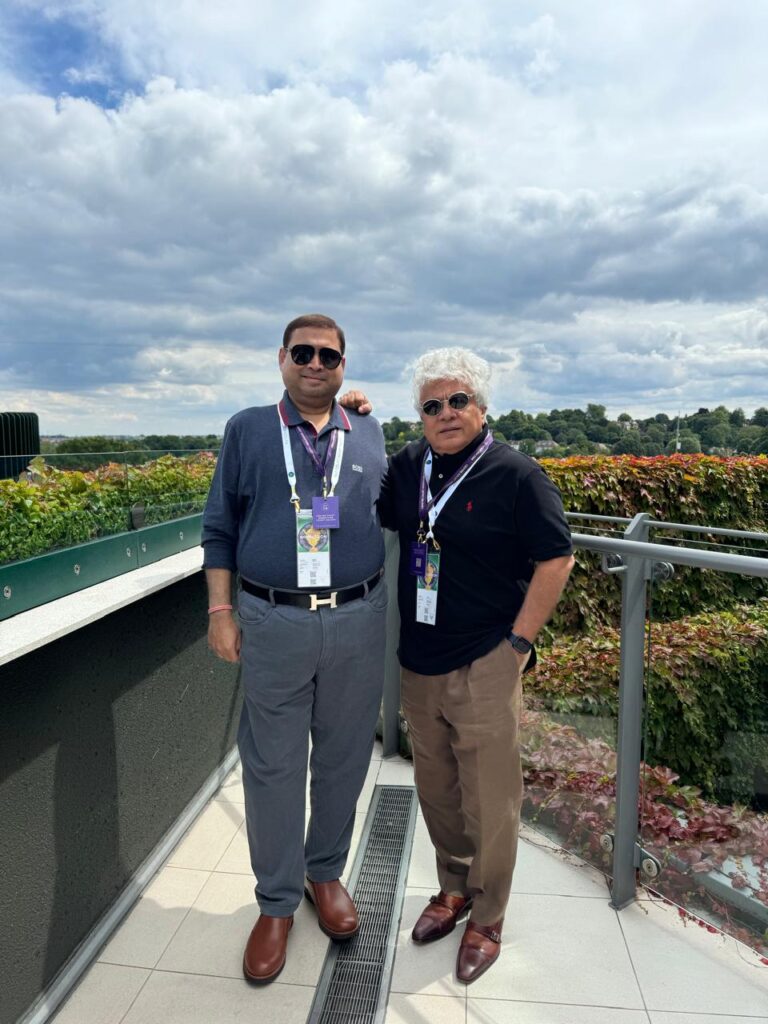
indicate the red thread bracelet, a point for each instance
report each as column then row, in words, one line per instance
column 220, row 608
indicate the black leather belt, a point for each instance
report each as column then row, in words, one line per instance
column 301, row 599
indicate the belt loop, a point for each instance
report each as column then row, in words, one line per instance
column 366, row 588
column 271, row 596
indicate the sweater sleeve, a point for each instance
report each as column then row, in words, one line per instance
column 221, row 518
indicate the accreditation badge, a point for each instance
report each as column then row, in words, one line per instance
column 325, row 512
column 426, row 590
column 313, row 551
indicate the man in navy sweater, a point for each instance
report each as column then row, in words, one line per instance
column 292, row 509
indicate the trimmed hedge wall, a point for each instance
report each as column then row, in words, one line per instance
column 707, row 696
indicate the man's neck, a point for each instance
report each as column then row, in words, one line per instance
column 318, row 416
column 468, row 447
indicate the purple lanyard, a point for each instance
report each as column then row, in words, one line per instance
column 320, row 465
column 425, row 503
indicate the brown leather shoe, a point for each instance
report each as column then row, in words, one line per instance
column 264, row 955
column 480, row 947
column 439, row 918
column 336, row 913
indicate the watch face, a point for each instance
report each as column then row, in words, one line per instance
column 520, row 644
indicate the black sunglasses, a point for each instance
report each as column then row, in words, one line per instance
column 303, row 355
column 458, row 400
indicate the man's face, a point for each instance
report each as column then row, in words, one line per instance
column 452, row 429
column 312, row 384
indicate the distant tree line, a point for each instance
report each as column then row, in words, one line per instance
column 564, row 432
column 554, row 434
column 73, row 452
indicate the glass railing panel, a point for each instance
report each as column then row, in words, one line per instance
column 63, row 499
column 169, row 485
column 704, row 780
column 53, row 505
column 570, row 715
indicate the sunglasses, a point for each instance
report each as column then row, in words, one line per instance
column 458, row 400
column 303, row 355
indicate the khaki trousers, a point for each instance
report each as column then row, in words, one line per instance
column 464, row 729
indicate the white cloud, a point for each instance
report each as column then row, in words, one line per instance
column 582, row 196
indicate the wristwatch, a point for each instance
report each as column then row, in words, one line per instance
column 520, row 644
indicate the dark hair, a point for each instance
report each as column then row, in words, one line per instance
column 313, row 320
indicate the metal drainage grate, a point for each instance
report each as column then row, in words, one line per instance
column 354, row 982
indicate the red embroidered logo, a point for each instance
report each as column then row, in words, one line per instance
column 469, row 506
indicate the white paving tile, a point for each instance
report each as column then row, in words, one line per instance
column 429, row 969
column 236, row 859
column 103, row 996
column 232, row 788
column 684, row 968
column 366, row 793
column 417, row 1009
column 206, row 841
column 395, row 771
column 189, row 999
column 540, row 957
column 213, row 935
column 503, row 1011
column 661, row 1017
column 542, row 868
column 150, row 926
column 356, row 833
column 194, row 925
column 422, row 872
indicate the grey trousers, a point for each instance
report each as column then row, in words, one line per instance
column 306, row 673
column 466, row 755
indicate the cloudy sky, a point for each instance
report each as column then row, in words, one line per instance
column 579, row 192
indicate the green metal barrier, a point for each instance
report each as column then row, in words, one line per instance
column 37, row 581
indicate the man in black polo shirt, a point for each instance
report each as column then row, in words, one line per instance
column 485, row 551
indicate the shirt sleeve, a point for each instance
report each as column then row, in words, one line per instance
column 221, row 518
column 540, row 518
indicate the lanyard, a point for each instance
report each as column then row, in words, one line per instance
column 430, row 507
column 321, row 465
column 290, row 469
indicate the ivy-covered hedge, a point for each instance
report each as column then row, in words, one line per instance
column 51, row 508
column 695, row 489
column 707, row 695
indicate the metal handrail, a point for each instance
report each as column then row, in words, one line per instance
column 722, row 561
column 658, row 524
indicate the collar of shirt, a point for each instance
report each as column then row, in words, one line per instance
column 293, row 417
column 446, row 465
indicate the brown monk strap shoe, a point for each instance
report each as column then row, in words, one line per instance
column 336, row 912
column 480, row 947
column 439, row 918
column 264, row 955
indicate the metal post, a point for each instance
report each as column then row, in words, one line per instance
column 630, row 725
column 390, row 713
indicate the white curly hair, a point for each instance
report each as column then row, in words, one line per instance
column 457, row 364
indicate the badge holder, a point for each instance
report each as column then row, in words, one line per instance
column 428, row 579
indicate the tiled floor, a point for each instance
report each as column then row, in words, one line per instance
column 567, row 957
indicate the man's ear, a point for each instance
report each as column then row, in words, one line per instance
column 282, row 354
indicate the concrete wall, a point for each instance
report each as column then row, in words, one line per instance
column 105, row 735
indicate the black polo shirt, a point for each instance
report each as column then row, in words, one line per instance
column 504, row 516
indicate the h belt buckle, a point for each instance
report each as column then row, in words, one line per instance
column 315, row 601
